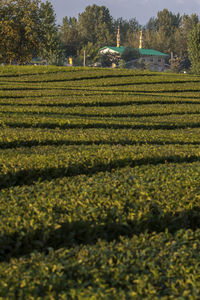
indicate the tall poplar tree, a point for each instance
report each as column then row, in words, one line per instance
column 96, row 26
column 160, row 31
column 194, row 48
column 69, row 36
column 50, row 48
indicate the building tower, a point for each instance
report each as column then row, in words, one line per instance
column 118, row 37
column 141, row 40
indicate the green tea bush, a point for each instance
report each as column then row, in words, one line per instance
column 99, row 184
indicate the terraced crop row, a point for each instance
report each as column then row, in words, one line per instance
column 99, row 184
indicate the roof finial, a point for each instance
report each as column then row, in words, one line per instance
column 118, row 37
column 141, row 40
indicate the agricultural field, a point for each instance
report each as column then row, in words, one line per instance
column 99, row 184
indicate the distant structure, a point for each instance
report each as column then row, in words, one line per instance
column 141, row 40
column 70, row 61
column 118, row 37
column 153, row 58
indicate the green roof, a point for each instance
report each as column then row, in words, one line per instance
column 151, row 52
column 143, row 52
column 116, row 49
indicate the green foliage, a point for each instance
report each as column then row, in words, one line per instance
column 128, row 28
column 51, row 48
column 130, row 54
column 160, row 31
column 110, row 58
column 95, row 26
column 91, row 54
column 181, row 35
column 99, row 184
column 169, row 33
column 69, row 36
column 176, row 64
column 194, row 49
column 28, row 29
column 20, row 30
column 167, row 21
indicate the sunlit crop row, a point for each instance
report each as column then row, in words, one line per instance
column 99, row 184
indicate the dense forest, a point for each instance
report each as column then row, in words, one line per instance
column 28, row 29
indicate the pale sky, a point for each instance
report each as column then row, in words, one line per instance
column 142, row 10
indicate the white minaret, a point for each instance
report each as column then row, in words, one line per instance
column 141, row 40
column 118, row 37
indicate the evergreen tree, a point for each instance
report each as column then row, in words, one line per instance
column 159, row 33
column 69, row 36
column 152, row 24
column 128, row 30
column 194, row 48
column 51, row 48
column 180, row 47
column 96, row 26
column 91, row 54
column 168, row 22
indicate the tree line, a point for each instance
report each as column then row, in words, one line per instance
column 28, row 28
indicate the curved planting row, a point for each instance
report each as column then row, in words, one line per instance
column 99, row 184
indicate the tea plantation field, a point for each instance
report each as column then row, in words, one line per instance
column 99, row 184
